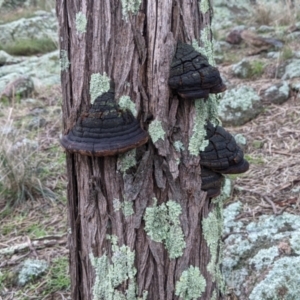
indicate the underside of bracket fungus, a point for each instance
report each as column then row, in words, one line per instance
column 105, row 130
column 222, row 154
column 211, row 182
column 191, row 76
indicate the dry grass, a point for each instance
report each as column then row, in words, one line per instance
column 8, row 15
column 276, row 14
column 273, row 182
column 36, row 228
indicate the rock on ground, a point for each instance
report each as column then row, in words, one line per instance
column 43, row 70
column 239, row 106
column 262, row 257
column 292, row 70
column 39, row 27
column 278, row 93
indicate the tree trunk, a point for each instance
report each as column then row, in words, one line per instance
column 140, row 226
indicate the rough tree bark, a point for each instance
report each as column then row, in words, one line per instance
column 140, row 226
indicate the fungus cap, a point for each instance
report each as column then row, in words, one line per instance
column 211, row 182
column 105, row 130
column 222, row 154
column 191, row 76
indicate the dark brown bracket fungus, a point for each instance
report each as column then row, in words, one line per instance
column 191, row 76
column 105, row 130
column 222, row 154
column 211, row 182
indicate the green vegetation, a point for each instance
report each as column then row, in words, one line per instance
column 30, row 46
column 257, row 69
column 58, row 276
column 254, row 160
column 257, row 144
column 286, row 53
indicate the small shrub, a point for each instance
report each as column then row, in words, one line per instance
column 287, row 53
column 58, row 276
column 30, row 46
column 257, row 68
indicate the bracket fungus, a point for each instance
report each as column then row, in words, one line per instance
column 222, row 154
column 105, row 130
column 211, row 182
column 191, row 76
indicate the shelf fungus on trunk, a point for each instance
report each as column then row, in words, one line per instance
column 211, row 182
column 222, row 154
column 191, row 76
column 105, row 130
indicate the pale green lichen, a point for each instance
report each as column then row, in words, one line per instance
column 127, row 208
column 204, row 6
column 117, row 204
column 162, row 224
column 111, row 274
column 156, row 131
column 31, row 269
column 264, row 258
column 99, row 84
column 191, row 284
column 178, row 145
column 295, row 242
column 81, row 22
column 282, row 282
column 214, row 296
column 212, row 230
column 126, row 103
column 197, row 141
column 64, row 60
column 130, row 6
column 127, row 160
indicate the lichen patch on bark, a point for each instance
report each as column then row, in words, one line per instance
column 163, row 225
column 64, row 60
column 99, row 84
column 81, row 22
column 156, row 131
column 191, row 284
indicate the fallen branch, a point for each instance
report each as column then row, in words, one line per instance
column 34, row 244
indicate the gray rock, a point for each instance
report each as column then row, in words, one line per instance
column 43, row 70
column 278, row 93
column 273, row 54
column 36, row 122
column 221, row 46
column 296, row 54
column 261, row 258
column 265, row 28
column 38, row 27
column 6, row 59
column 6, row 79
column 292, row 70
column 239, row 106
column 32, row 268
column 293, row 36
column 21, row 87
column 242, row 69
column 295, row 86
column 240, row 140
